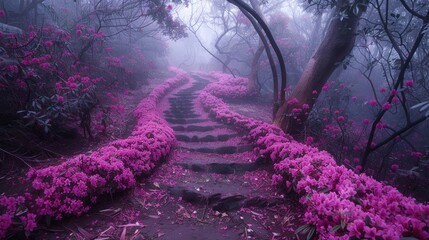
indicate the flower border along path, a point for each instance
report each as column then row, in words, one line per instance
column 70, row 188
column 340, row 204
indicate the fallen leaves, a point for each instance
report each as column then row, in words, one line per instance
column 110, row 211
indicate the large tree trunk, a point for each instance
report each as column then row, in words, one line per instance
column 253, row 76
column 336, row 45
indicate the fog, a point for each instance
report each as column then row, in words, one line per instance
column 202, row 104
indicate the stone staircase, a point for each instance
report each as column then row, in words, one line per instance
column 214, row 174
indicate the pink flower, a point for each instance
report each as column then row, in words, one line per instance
column 78, row 32
column 85, row 80
column 382, row 90
column 35, row 61
column 5, row 223
column 296, row 110
column 305, row 106
column 309, row 140
column 314, row 92
column 417, row 154
column 292, row 101
column 356, row 228
column 2, row 13
column 370, row 233
column 395, row 99
column 340, row 118
column 60, row 99
column 372, row 103
column 29, row 222
column 32, row 34
column 45, row 65
column 394, row 167
column 71, row 85
column 48, row 44
column 58, row 86
column 358, row 168
column 325, row 87
column 409, row 83
column 21, row 83
column 169, row 7
column 386, row 106
column 12, row 68
column 98, row 35
column 354, row 98
column 394, row 92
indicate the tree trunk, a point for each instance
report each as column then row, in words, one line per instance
column 253, row 76
column 336, row 45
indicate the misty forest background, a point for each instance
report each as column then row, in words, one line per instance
column 354, row 80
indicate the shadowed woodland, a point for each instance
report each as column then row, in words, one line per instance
column 223, row 119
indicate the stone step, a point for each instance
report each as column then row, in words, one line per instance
column 180, row 99
column 188, row 107
column 185, row 94
column 181, row 115
column 206, row 138
column 189, row 110
column 220, row 203
column 226, row 167
column 227, row 149
column 226, row 185
column 186, row 121
column 180, row 111
column 196, row 128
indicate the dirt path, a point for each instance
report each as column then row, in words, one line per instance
column 213, row 186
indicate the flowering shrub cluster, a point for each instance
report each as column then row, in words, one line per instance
column 229, row 87
column 70, row 188
column 46, row 78
column 340, row 203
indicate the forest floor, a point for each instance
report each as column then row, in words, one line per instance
column 212, row 186
column 38, row 152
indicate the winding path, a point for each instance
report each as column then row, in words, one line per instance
column 213, row 186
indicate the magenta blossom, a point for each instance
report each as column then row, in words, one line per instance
column 386, row 106
column 409, row 83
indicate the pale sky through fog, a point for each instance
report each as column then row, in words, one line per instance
column 187, row 52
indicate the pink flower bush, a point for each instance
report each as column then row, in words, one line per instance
column 71, row 187
column 340, row 203
column 229, row 87
column 10, row 207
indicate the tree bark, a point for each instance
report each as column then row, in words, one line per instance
column 253, row 76
column 255, row 62
column 336, row 45
column 245, row 8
